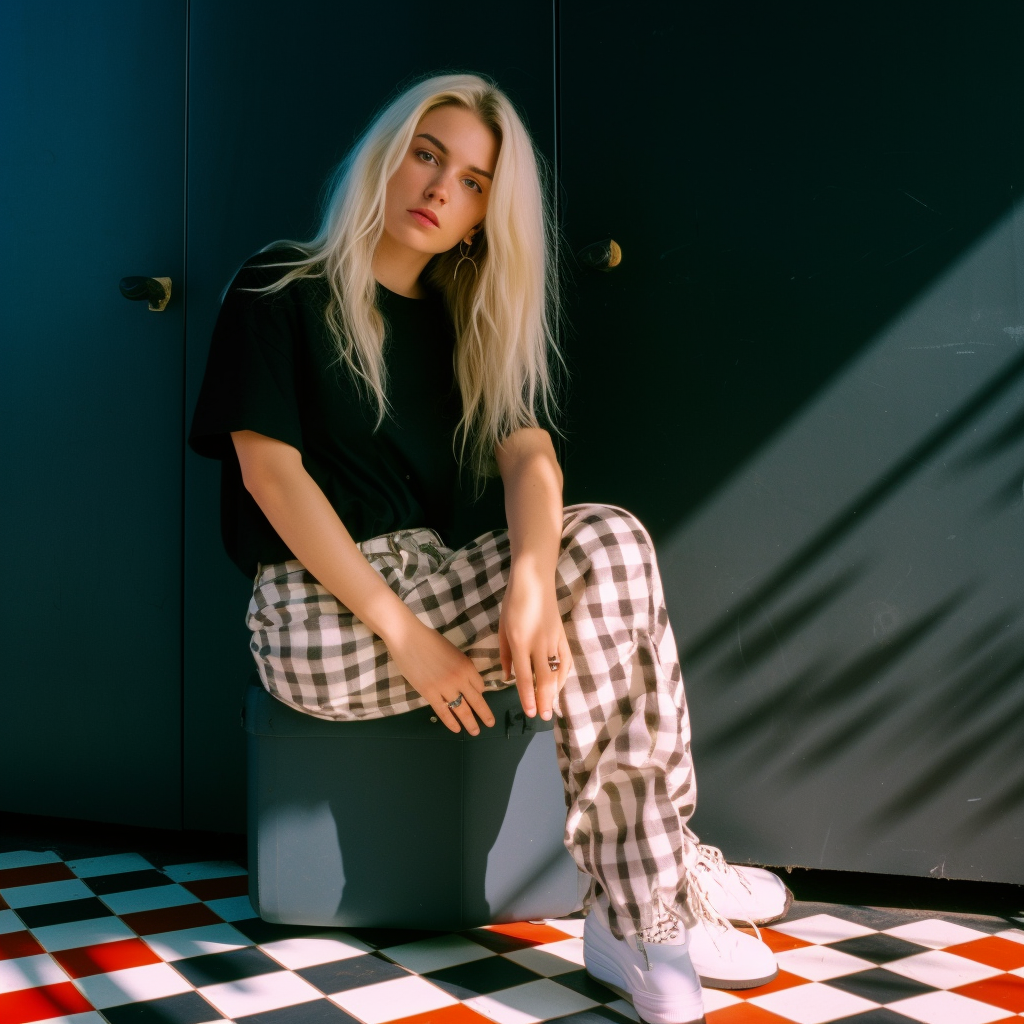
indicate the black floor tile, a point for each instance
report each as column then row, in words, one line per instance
column 213, row 968
column 480, row 977
column 595, row 1015
column 880, row 986
column 496, row 942
column 126, row 880
column 879, row 918
column 353, row 972
column 319, row 1011
column 261, row 931
column 580, row 981
column 879, row 949
column 63, row 913
column 186, row 1008
column 392, row 936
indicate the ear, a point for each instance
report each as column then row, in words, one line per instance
column 469, row 238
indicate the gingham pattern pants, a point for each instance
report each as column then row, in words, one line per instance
column 622, row 732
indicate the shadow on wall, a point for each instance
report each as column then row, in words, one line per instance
column 851, row 635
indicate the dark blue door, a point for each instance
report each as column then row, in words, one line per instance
column 90, row 514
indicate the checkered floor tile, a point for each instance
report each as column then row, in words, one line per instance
column 117, row 940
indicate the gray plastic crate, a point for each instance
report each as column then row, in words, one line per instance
column 397, row 822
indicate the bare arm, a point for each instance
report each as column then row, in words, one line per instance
column 304, row 519
column 530, row 628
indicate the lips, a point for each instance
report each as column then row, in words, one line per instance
column 428, row 215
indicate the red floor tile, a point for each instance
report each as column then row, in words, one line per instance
column 41, row 1003
column 104, row 957
column 149, row 922
column 781, row 981
column 15, row 944
column 993, row 950
column 219, row 888
column 743, row 1013
column 10, row 877
column 777, row 942
column 1004, row 990
column 459, row 1014
column 530, row 932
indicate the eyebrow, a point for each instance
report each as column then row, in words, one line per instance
column 444, row 149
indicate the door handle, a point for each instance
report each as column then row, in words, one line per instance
column 601, row 255
column 157, row 290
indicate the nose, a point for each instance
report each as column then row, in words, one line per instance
column 437, row 189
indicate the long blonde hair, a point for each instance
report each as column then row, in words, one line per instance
column 504, row 314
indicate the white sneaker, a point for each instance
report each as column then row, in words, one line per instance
column 740, row 893
column 722, row 956
column 656, row 977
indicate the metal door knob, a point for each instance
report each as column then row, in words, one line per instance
column 601, row 255
column 157, row 290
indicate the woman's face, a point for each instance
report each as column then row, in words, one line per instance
column 446, row 172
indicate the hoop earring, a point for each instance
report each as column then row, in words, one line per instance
column 464, row 257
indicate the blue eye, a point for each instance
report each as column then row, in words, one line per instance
column 426, row 152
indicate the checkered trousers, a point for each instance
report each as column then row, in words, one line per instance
column 622, row 732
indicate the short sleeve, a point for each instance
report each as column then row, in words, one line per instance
column 249, row 383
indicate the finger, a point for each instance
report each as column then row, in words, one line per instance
column 480, row 706
column 524, row 680
column 504, row 651
column 446, row 715
column 464, row 713
column 547, row 680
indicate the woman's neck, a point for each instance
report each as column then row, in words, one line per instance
column 398, row 269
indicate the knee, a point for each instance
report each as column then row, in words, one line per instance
column 608, row 526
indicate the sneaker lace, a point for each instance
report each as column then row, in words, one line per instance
column 700, row 903
column 711, row 859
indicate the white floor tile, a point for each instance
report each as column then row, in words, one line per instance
column 569, row 950
column 626, row 1009
column 947, row 1008
column 193, row 872
column 157, row 898
column 132, row 985
column 95, row 930
column 260, row 994
column 232, row 908
column 820, row 963
column 207, row 938
column 29, row 972
column 310, row 950
column 571, row 925
column 27, row 859
column 822, row 928
column 10, row 922
column 433, row 954
column 543, row 963
column 813, row 1003
column 389, row 1000
column 1013, row 934
column 90, row 867
column 935, row 934
column 941, row 970
column 527, row 1004
column 716, row 999
column 45, row 892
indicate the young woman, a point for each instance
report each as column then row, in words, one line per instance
column 348, row 380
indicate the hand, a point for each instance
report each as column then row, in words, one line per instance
column 530, row 631
column 437, row 670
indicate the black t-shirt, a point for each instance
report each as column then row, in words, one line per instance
column 273, row 368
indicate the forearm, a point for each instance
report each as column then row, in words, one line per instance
column 305, row 520
column 533, row 508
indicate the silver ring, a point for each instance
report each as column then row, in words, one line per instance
column 554, row 662
column 453, row 704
